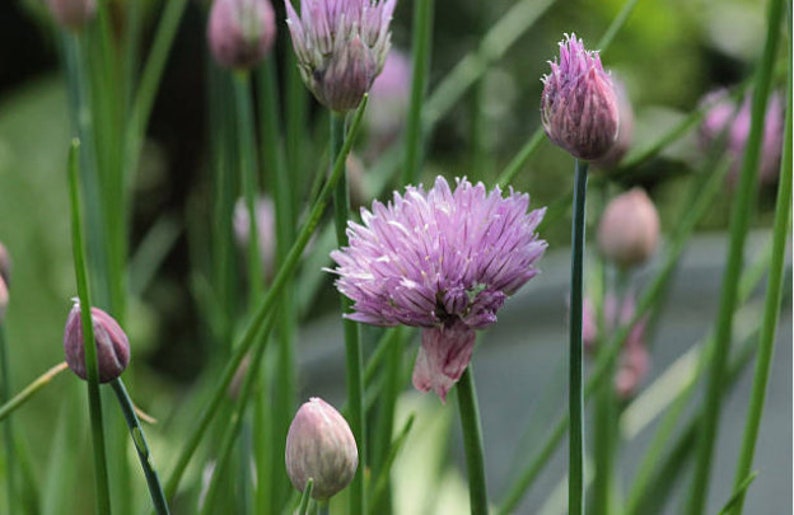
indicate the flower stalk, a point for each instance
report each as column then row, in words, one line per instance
column 472, row 443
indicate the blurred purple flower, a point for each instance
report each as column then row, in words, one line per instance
column 723, row 115
column 623, row 142
column 265, row 213
column 441, row 260
column 341, row 46
column 73, row 14
column 389, row 98
column 579, row 105
column 241, row 32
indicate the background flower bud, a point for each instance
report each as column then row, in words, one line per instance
column 625, row 136
column 3, row 299
column 73, row 14
column 320, row 446
column 112, row 346
column 241, row 32
column 5, row 265
column 579, row 105
column 628, row 233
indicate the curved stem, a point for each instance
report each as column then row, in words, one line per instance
column 575, row 394
column 39, row 383
column 142, row 448
column 472, row 443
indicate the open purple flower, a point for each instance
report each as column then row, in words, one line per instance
column 441, row 260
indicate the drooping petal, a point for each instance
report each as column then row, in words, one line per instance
column 444, row 355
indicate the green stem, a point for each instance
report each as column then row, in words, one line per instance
column 740, row 221
column 472, row 442
column 91, row 366
column 382, row 484
column 251, row 333
column 575, row 396
column 354, row 358
column 141, row 447
column 774, row 291
column 303, row 507
column 604, row 451
column 420, row 45
column 8, row 428
column 31, row 389
column 248, row 178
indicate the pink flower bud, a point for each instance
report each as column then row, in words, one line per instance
column 241, row 32
column 628, row 233
column 112, row 346
column 73, row 14
column 341, row 46
column 5, row 265
column 579, row 105
column 625, row 137
column 320, row 446
column 3, row 299
column 388, row 99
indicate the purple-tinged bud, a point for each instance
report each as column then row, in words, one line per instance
column 112, row 346
column 3, row 300
column 628, row 233
column 241, row 32
column 73, row 14
column 265, row 213
column 725, row 115
column 341, row 46
column 579, row 105
column 388, row 99
column 5, row 265
column 320, row 446
column 625, row 130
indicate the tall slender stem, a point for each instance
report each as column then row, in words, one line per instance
column 575, row 395
column 91, row 366
column 472, row 443
column 354, row 358
column 142, row 448
column 766, row 341
column 740, row 221
column 420, row 47
column 8, row 427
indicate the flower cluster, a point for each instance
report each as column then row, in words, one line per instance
column 341, row 46
column 441, row 260
column 579, row 106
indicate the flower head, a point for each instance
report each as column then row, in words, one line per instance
column 73, row 14
column 579, row 106
column 441, row 260
column 724, row 115
column 341, row 46
column 321, row 447
column 388, row 99
column 112, row 346
column 241, row 32
column 628, row 232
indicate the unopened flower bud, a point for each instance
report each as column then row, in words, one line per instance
column 320, row 446
column 579, row 106
column 388, row 100
column 5, row 265
column 73, row 14
column 625, row 137
column 628, row 233
column 3, row 299
column 265, row 213
column 241, row 32
column 112, row 346
column 341, row 46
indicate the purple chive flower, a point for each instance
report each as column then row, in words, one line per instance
column 623, row 142
column 579, row 105
column 73, row 14
column 389, row 98
column 628, row 232
column 341, row 46
column 265, row 212
column 241, row 32
column 723, row 115
column 3, row 300
column 112, row 345
column 441, row 260
column 5, row 265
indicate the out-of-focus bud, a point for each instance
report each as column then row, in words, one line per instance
column 724, row 115
column 388, row 100
column 5, row 265
column 241, row 32
column 320, row 446
column 112, row 346
column 579, row 106
column 634, row 366
column 73, row 14
column 264, row 211
column 356, row 182
column 341, row 46
column 628, row 233
column 3, row 300
column 589, row 325
column 625, row 130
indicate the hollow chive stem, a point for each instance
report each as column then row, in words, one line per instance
column 576, row 398
column 472, row 443
column 141, row 447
